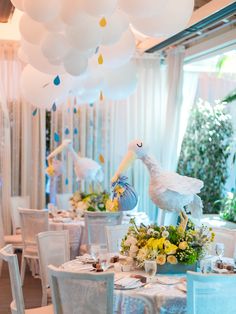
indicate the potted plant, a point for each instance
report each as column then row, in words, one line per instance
column 174, row 249
column 228, row 207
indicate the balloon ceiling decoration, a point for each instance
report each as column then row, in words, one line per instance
column 85, row 47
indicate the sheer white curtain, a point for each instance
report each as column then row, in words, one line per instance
column 24, row 141
column 175, row 61
column 105, row 128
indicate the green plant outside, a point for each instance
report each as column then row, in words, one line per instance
column 205, row 150
column 228, row 207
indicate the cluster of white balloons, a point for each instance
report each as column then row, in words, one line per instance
column 88, row 44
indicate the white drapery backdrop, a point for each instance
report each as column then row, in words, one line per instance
column 22, row 154
column 105, row 128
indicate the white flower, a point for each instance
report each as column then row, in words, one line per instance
column 150, row 231
column 82, row 205
column 133, row 248
column 165, row 234
column 130, row 241
column 142, row 254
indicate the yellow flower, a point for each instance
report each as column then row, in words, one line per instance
column 112, row 205
column 170, row 248
column 161, row 259
column 156, row 244
column 119, row 190
column 183, row 245
column 50, row 171
column 172, row 259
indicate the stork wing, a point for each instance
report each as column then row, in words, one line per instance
column 180, row 184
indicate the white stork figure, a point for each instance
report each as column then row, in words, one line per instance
column 85, row 168
column 168, row 190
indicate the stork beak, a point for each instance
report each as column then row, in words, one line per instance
column 124, row 165
column 59, row 149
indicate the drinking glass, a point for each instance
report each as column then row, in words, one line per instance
column 206, row 266
column 234, row 255
column 94, row 251
column 150, row 269
column 104, row 259
column 220, row 250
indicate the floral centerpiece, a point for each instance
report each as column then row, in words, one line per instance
column 167, row 245
column 82, row 202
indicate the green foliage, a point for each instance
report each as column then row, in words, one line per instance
column 230, row 97
column 228, row 207
column 205, row 151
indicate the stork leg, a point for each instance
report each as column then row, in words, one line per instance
column 183, row 219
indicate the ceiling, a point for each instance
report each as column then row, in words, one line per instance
column 6, row 9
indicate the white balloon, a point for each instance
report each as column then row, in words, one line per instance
column 142, row 8
column 55, row 46
column 76, row 63
column 99, row 7
column 31, row 30
column 38, row 88
column 89, row 96
column 86, row 35
column 55, row 25
column 117, row 23
column 119, row 53
column 38, row 61
column 43, row 10
column 173, row 19
column 121, row 83
column 71, row 11
column 22, row 56
column 18, row 4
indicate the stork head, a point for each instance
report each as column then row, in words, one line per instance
column 136, row 149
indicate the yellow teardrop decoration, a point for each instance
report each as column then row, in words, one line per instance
column 103, row 22
column 100, row 59
column 101, row 96
column 101, row 159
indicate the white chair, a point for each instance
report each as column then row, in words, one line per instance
column 17, row 305
column 114, row 235
column 53, row 249
column 33, row 221
column 226, row 236
column 211, row 293
column 18, row 202
column 14, row 239
column 63, row 201
column 2, row 242
column 81, row 292
column 95, row 223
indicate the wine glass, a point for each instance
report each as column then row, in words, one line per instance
column 206, row 265
column 104, row 259
column 234, row 257
column 94, row 251
column 150, row 269
column 220, row 250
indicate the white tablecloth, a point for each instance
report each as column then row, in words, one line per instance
column 76, row 233
column 166, row 299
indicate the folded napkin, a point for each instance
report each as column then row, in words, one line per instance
column 76, row 265
column 62, row 219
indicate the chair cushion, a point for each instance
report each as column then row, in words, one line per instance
column 13, row 239
column 41, row 310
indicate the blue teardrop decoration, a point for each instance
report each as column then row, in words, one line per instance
column 67, row 131
column 91, row 105
column 54, row 107
column 56, row 137
column 66, row 181
column 57, row 80
column 34, row 112
column 75, row 131
column 75, row 110
column 91, row 123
